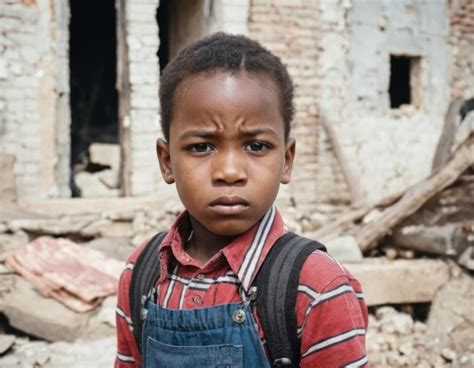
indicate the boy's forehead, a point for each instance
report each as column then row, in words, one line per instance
column 207, row 101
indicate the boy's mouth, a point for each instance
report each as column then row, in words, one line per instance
column 229, row 205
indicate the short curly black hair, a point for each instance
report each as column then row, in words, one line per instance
column 228, row 53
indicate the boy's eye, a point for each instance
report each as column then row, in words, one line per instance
column 257, row 146
column 200, row 147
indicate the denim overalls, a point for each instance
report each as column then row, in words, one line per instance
column 223, row 336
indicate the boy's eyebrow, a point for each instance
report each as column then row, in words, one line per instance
column 212, row 133
column 198, row 133
column 257, row 131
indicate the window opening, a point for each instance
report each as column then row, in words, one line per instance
column 404, row 86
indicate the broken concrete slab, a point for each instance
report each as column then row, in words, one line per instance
column 117, row 229
column 28, row 311
column 6, row 342
column 91, row 354
column 11, row 211
column 118, row 248
column 399, row 281
column 9, row 241
column 167, row 202
column 345, row 249
column 27, row 354
column 451, row 318
column 53, row 226
column 102, row 322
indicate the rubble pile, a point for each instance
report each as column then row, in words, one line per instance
column 394, row 339
column 411, row 248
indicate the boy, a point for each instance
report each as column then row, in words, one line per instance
column 226, row 105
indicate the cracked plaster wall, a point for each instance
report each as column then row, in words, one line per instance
column 386, row 150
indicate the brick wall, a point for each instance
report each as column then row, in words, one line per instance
column 143, row 119
column 291, row 30
column 461, row 40
column 34, row 95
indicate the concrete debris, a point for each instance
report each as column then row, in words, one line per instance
column 101, row 322
column 6, row 342
column 115, row 227
column 25, row 310
column 394, row 339
column 10, row 240
column 39, row 354
column 118, row 248
column 345, row 249
column 451, row 319
column 399, row 281
column 52, row 226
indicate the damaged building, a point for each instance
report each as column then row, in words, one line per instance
column 79, row 89
column 384, row 94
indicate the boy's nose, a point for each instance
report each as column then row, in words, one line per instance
column 229, row 168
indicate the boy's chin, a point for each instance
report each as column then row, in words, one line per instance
column 230, row 229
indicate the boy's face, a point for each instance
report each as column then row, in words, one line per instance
column 227, row 152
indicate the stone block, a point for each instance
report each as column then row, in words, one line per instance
column 114, row 247
column 46, row 318
column 451, row 318
column 345, row 249
column 399, row 281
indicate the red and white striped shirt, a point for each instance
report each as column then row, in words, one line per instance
column 330, row 311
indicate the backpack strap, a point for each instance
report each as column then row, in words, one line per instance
column 144, row 275
column 277, row 285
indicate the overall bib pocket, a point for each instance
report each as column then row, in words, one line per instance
column 160, row 355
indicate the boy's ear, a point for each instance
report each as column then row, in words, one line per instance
column 164, row 158
column 289, row 157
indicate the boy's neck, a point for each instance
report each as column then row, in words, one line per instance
column 203, row 244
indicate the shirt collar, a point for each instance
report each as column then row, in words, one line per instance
column 245, row 254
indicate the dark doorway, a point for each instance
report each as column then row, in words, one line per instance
column 93, row 63
column 180, row 22
column 163, row 18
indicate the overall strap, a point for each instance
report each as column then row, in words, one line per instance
column 144, row 275
column 277, row 285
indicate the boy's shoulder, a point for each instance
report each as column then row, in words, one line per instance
column 321, row 271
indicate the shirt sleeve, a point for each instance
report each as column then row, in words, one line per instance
column 331, row 315
column 128, row 355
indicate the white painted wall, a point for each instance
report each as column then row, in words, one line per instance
column 386, row 150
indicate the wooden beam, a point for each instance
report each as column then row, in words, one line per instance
column 367, row 235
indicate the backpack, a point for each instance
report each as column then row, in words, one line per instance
column 276, row 282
